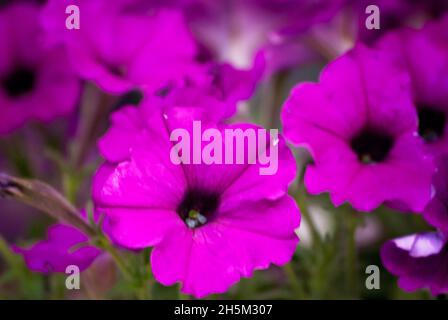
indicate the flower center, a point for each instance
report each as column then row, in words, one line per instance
column 19, row 82
column 431, row 123
column 371, row 146
column 197, row 207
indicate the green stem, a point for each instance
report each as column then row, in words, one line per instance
column 294, row 281
column 302, row 201
column 144, row 290
column 140, row 278
column 71, row 185
column 352, row 276
column 279, row 83
column 94, row 106
column 107, row 246
column 6, row 253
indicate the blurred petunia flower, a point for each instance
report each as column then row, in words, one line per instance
column 209, row 225
column 122, row 46
column 65, row 245
column 360, row 125
column 436, row 212
column 36, row 83
column 230, row 84
column 419, row 261
column 424, row 53
column 218, row 89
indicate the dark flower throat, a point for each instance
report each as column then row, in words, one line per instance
column 198, row 207
column 371, row 146
column 19, row 82
column 431, row 123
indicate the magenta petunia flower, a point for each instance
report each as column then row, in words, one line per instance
column 360, row 126
column 424, row 53
column 119, row 45
column 36, row 83
column 419, row 261
column 232, row 85
column 209, row 225
column 64, row 246
column 436, row 212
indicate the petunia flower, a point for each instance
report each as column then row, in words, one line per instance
column 36, row 83
column 65, row 245
column 218, row 88
column 436, row 212
column 424, row 54
column 209, row 224
column 232, row 85
column 360, row 125
column 120, row 46
column 419, row 261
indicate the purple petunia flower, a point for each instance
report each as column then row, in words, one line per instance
column 419, row 260
column 64, row 246
column 424, row 53
column 209, row 225
column 120, row 46
column 232, row 85
column 359, row 124
column 436, row 212
column 36, row 83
